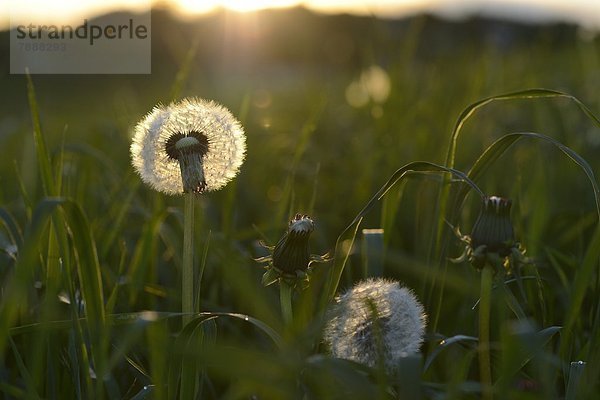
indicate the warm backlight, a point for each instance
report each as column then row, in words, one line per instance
column 236, row 5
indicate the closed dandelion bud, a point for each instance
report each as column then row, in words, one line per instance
column 492, row 241
column 290, row 258
column 493, row 228
column 291, row 252
column 377, row 321
column 191, row 146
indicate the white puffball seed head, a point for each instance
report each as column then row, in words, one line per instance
column 193, row 145
column 377, row 319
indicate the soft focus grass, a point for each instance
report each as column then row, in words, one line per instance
column 81, row 236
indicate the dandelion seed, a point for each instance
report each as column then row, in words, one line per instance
column 376, row 320
column 191, row 146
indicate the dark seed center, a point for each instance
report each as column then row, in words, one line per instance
column 199, row 146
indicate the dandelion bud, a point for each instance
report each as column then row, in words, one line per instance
column 376, row 321
column 493, row 228
column 191, row 146
column 290, row 259
column 291, row 252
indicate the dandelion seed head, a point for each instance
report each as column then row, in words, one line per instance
column 200, row 128
column 376, row 316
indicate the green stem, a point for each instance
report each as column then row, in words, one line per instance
column 187, row 272
column 285, row 298
column 485, row 370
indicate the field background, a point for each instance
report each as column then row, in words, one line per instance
column 285, row 74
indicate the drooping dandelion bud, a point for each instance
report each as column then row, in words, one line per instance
column 492, row 240
column 493, row 228
column 291, row 252
column 377, row 320
column 190, row 146
column 290, row 258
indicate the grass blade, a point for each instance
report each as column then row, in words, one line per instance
column 25, row 375
column 43, row 157
column 583, row 278
column 499, row 147
column 373, row 252
column 470, row 110
column 575, row 374
column 417, row 166
column 16, row 236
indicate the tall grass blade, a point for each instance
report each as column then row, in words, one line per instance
column 575, row 375
column 372, row 252
column 14, row 232
column 43, row 157
column 27, row 262
column 144, row 255
column 87, row 265
column 584, row 277
column 184, row 71
column 30, row 388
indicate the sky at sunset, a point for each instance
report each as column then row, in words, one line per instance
column 585, row 12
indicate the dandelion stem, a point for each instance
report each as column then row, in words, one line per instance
column 187, row 272
column 485, row 370
column 285, row 297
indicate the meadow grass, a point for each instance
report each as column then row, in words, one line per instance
column 91, row 268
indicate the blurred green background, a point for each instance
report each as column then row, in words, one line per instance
column 332, row 106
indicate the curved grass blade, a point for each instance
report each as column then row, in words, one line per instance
column 467, row 113
column 192, row 334
column 352, row 379
column 417, row 166
column 522, row 344
column 144, row 393
column 128, row 318
column 444, row 344
column 499, row 147
column 522, row 94
column 270, row 332
column 12, row 228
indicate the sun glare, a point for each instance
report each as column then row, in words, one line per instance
column 66, row 11
column 195, row 6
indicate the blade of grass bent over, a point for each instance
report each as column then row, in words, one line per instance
column 417, row 166
column 467, row 113
column 522, row 94
column 499, row 147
